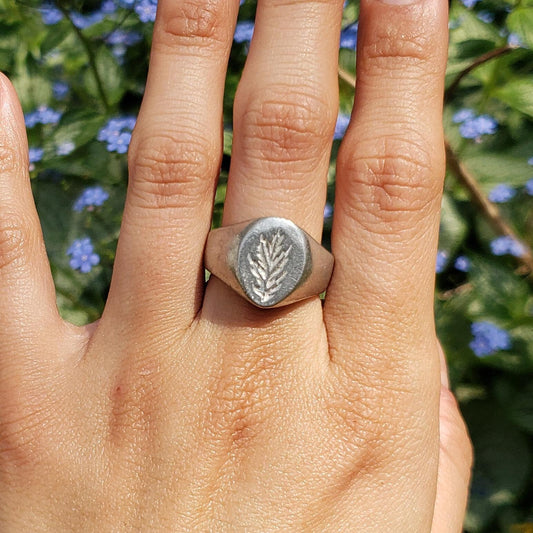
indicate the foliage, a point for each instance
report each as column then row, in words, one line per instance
column 79, row 69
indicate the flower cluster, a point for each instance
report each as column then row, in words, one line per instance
column 42, row 115
column 117, row 134
column 507, row 245
column 488, row 339
column 472, row 126
column 82, row 256
column 90, row 198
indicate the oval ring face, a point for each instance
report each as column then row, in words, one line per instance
column 272, row 260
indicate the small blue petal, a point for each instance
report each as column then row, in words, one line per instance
column 462, row 263
column 244, row 31
column 502, row 193
column 442, row 260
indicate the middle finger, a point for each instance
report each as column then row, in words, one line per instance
column 285, row 112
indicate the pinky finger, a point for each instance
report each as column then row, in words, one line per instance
column 27, row 296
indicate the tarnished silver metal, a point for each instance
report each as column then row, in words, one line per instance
column 269, row 261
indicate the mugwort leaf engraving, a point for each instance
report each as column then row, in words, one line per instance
column 267, row 266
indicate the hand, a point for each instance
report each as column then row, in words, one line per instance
column 185, row 408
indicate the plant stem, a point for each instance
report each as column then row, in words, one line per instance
column 347, row 77
column 90, row 56
column 498, row 52
column 489, row 210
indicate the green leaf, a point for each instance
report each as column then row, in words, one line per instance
column 520, row 21
column 453, row 227
column 518, row 94
column 502, row 466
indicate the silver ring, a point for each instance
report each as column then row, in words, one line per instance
column 270, row 261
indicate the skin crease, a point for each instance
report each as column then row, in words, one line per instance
column 185, row 408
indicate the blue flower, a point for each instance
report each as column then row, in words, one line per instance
column 146, row 10
column 117, row 134
column 82, row 256
column 85, row 21
column 462, row 115
column 469, row 3
column 65, row 148
column 42, row 115
column 60, row 90
column 35, row 154
column 328, row 210
column 514, row 40
column 50, row 15
column 474, row 128
column 507, row 245
column 530, row 161
column 488, row 339
column 349, row 36
column 120, row 36
column 341, row 126
column 529, row 187
column 243, row 31
column 108, row 7
column 90, row 198
column 501, row 193
column 442, row 260
column 462, row 263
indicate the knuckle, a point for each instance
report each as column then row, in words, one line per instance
column 390, row 177
column 15, row 237
column 10, row 159
column 287, row 127
column 173, row 173
column 410, row 50
column 195, row 23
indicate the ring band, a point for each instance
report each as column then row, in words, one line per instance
column 269, row 261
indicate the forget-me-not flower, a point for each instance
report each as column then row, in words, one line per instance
column 341, row 126
column 50, row 15
column 82, row 256
column 146, row 10
column 65, row 148
column 502, row 193
column 529, row 187
column 243, row 31
column 42, row 115
column 462, row 263
column 349, row 36
column 472, row 126
column 507, row 245
column 469, row 3
column 442, row 261
column 117, row 134
column 60, row 89
column 488, row 339
column 90, row 198
column 35, row 154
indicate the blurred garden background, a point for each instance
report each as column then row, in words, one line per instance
column 79, row 68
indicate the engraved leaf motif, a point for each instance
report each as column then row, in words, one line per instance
column 267, row 266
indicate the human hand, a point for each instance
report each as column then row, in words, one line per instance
column 185, row 408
